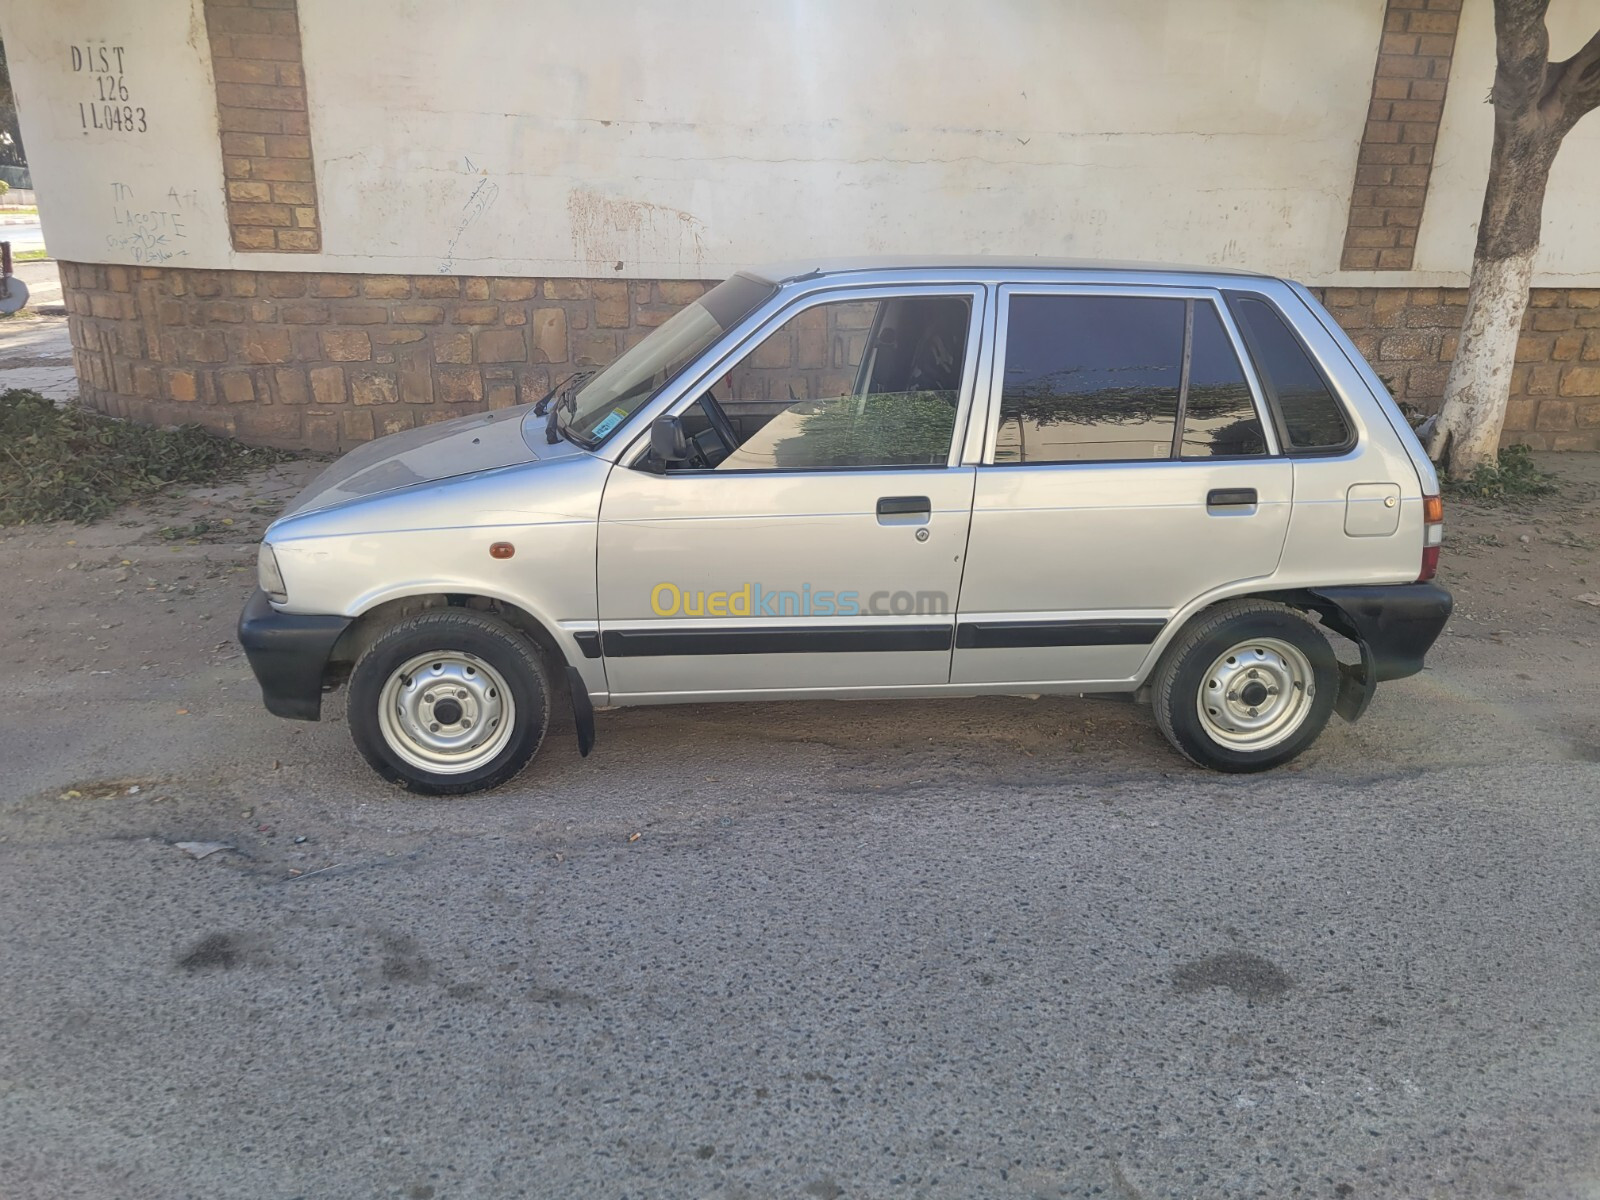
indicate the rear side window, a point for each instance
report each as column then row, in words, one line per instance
column 1090, row 379
column 1309, row 415
column 1113, row 378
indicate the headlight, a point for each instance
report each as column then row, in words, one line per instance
column 268, row 576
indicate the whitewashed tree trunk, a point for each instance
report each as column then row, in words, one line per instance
column 1475, row 396
column 1536, row 102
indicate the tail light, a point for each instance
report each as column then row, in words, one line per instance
column 1432, row 536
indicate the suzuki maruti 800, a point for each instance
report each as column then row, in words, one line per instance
column 887, row 479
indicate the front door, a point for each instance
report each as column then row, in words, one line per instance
column 815, row 539
column 1128, row 470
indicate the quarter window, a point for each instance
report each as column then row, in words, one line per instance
column 1090, row 379
column 1219, row 411
column 1308, row 412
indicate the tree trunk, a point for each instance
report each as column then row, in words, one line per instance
column 1475, row 396
column 1479, row 386
column 1535, row 103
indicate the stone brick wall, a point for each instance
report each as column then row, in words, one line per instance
column 1396, row 158
column 1409, row 335
column 266, row 132
column 327, row 361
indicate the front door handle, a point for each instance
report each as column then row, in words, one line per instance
column 1231, row 498
column 904, row 510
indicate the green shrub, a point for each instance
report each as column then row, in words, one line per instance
column 71, row 463
column 1512, row 475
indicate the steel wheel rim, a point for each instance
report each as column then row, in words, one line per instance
column 448, row 712
column 1256, row 695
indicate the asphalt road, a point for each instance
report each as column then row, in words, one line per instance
column 969, row 949
column 27, row 235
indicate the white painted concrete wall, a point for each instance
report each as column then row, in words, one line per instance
column 546, row 137
column 693, row 138
column 149, row 191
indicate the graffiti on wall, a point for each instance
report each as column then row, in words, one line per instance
column 483, row 195
column 151, row 233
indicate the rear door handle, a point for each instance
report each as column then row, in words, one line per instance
column 1230, row 497
column 904, row 510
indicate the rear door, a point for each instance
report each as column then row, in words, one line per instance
column 1128, row 468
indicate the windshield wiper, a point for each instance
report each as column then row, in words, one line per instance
column 559, row 389
column 565, row 396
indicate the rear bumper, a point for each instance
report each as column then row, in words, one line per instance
column 1396, row 624
column 1393, row 624
column 288, row 653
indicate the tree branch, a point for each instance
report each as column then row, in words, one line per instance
column 1574, row 84
column 1522, row 50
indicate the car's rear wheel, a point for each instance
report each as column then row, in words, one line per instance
column 449, row 701
column 1248, row 686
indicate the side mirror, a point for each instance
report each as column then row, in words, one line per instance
column 668, row 441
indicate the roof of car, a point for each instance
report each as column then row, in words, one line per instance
column 784, row 272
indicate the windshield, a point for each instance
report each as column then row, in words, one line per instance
column 612, row 396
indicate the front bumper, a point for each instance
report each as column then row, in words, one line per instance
column 289, row 654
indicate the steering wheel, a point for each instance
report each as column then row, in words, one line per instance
column 720, row 423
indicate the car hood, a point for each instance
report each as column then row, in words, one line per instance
column 464, row 446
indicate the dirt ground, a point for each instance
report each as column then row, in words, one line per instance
column 1523, row 638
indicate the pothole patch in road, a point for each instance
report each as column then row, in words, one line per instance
column 112, row 789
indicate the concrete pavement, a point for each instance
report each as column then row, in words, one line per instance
column 44, row 283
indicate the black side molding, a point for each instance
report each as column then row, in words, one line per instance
column 868, row 639
column 1012, row 635
column 288, row 654
column 589, row 642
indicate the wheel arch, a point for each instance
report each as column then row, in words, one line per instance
column 1357, row 683
column 561, row 652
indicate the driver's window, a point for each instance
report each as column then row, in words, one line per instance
column 853, row 383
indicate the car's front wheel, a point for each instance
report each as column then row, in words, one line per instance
column 449, row 701
column 1248, row 686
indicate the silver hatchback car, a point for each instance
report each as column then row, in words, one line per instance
column 880, row 479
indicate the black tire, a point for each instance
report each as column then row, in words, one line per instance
column 1181, row 679
column 461, row 637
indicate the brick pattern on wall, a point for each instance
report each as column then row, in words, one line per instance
column 1396, row 158
column 326, row 361
column 266, row 131
column 1409, row 335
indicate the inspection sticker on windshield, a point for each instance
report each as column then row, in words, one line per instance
column 613, row 419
